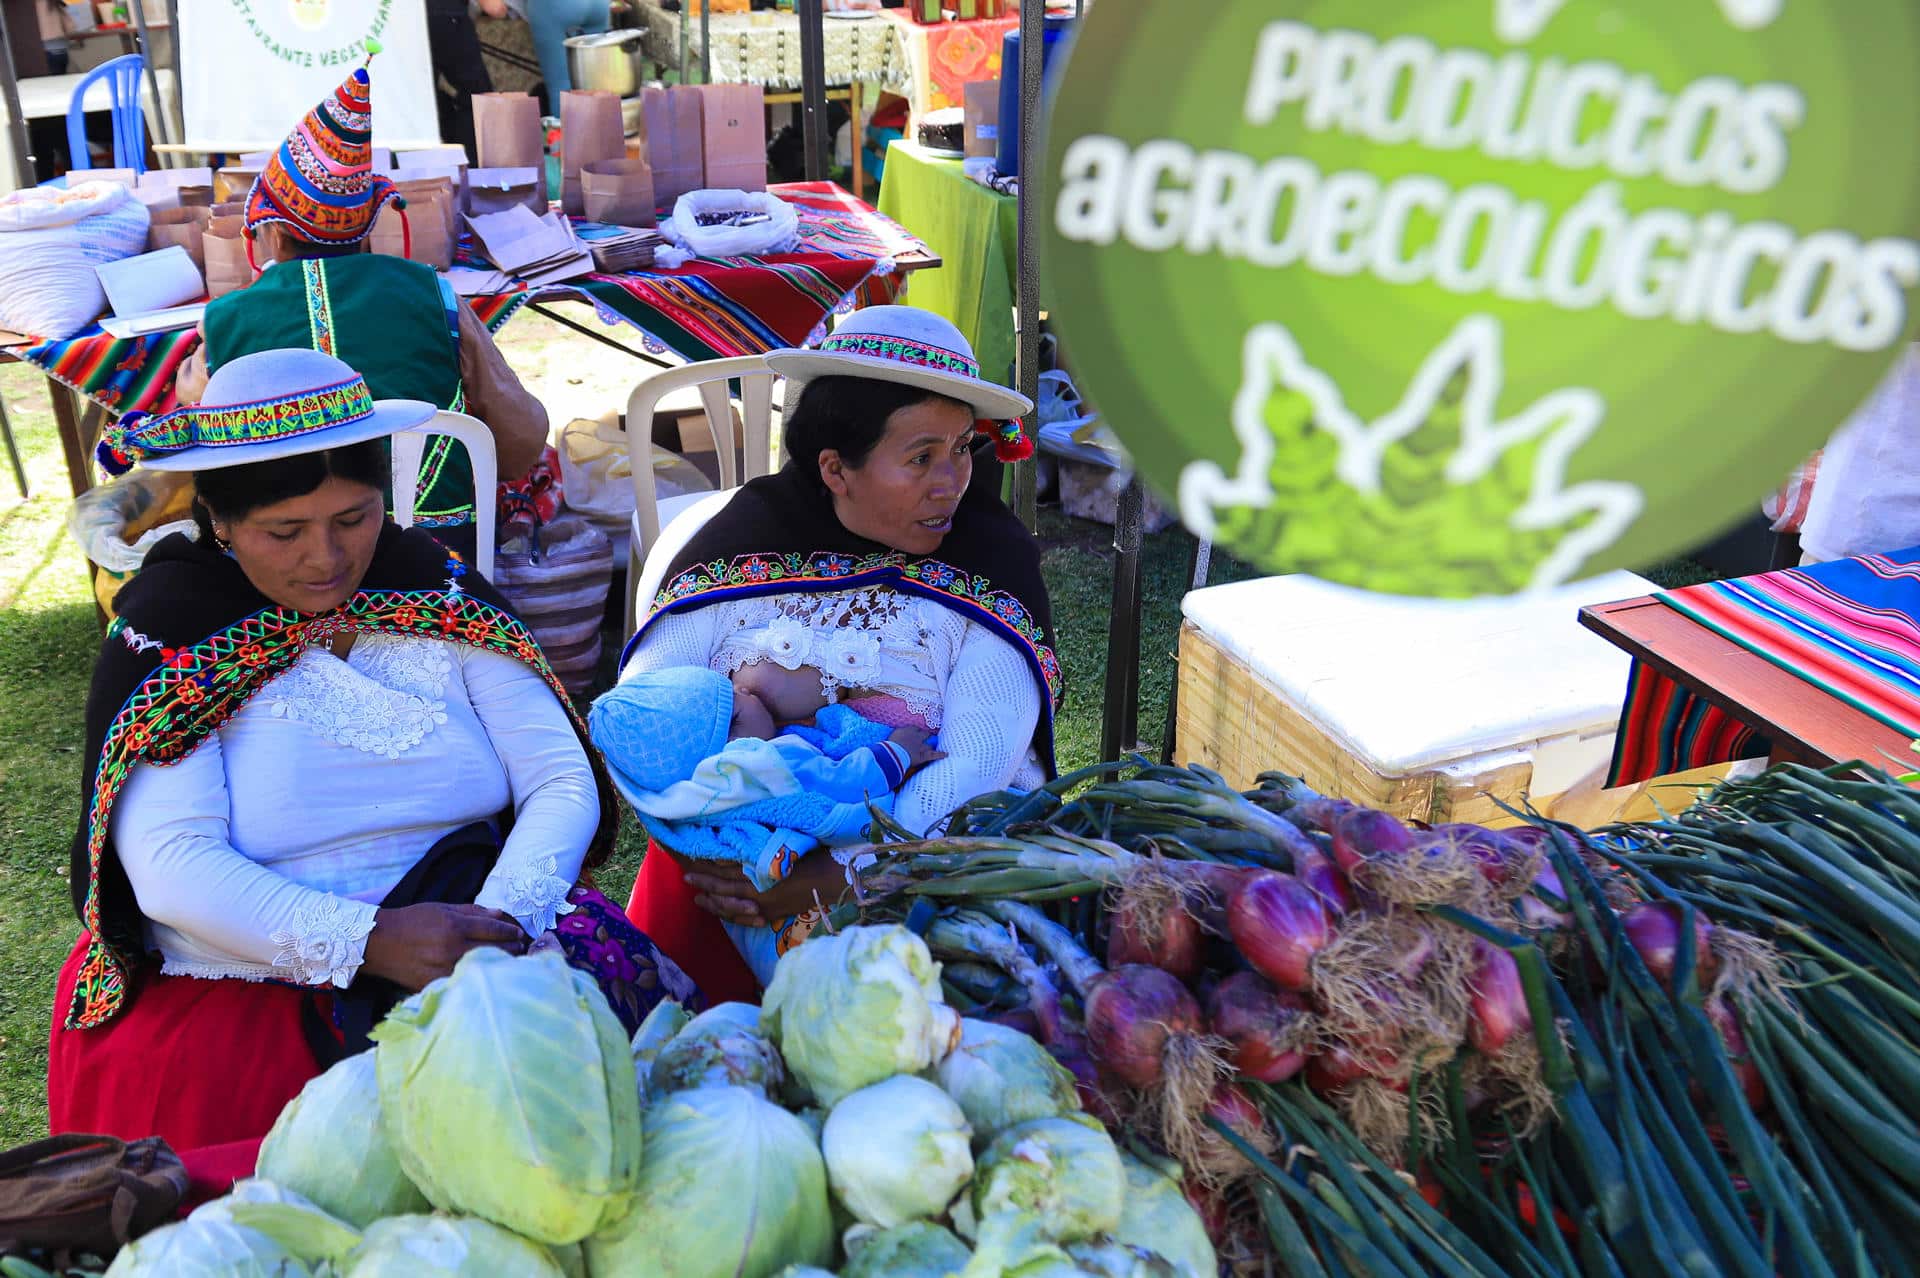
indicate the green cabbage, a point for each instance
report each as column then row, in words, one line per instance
column 850, row 1009
column 447, row 1247
column 208, row 1244
column 721, row 1046
column 897, row 1151
column 733, row 1187
column 328, row 1144
column 1002, row 1078
column 1064, row 1172
column 665, row 1020
column 919, row 1250
column 1157, row 1215
column 508, row 1092
column 1107, row 1258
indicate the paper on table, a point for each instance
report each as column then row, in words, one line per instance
column 537, row 249
column 176, row 178
column 431, row 157
column 468, row 281
column 166, row 321
column 151, row 282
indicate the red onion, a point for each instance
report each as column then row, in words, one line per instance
column 1362, row 834
column 1653, row 928
column 1319, row 873
column 1260, row 1023
column 1734, row 1039
column 1337, row 1065
column 1154, row 928
column 1234, row 1109
column 1319, row 814
column 1087, row 1084
column 1132, row 1012
column 1210, row 1205
column 1499, row 1007
column 1019, row 1018
column 1279, row 924
column 1491, row 851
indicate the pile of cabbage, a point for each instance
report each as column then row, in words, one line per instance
column 503, row 1125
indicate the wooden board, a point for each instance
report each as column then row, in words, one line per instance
column 1805, row 723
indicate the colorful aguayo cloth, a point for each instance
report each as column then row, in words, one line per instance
column 711, row 308
column 1850, row 628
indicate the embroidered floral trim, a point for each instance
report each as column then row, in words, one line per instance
column 388, row 710
column 196, row 688
column 533, row 893
column 786, row 641
column 768, row 573
column 326, row 943
column 852, row 657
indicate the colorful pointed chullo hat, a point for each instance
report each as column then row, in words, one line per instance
column 320, row 184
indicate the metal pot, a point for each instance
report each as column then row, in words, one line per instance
column 610, row 60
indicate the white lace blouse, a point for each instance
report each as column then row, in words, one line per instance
column 965, row 680
column 263, row 853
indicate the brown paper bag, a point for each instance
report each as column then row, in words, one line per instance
column 432, row 219
column 225, row 249
column 734, row 137
column 590, row 131
column 619, row 192
column 196, row 196
column 506, row 130
column 983, row 117
column 229, row 208
column 185, row 227
column 673, row 141
column 497, row 190
column 233, row 183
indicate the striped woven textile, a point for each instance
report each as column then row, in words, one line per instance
column 709, row 309
column 1850, row 628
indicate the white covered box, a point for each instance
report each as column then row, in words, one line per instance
column 1434, row 710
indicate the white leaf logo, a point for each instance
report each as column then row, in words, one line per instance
column 1518, row 21
column 1550, row 528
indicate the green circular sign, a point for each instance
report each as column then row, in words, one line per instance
column 1460, row 297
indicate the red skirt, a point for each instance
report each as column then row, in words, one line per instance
column 662, row 907
column 199, row 1063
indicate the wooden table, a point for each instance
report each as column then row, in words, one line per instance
column 1804, row 723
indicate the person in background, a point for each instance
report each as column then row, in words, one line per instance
column 459, row 69
column 552, row 22
column 398, row 323
column 1866, row 498
column 54, row 27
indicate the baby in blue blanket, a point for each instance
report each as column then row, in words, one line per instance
column 717, row 770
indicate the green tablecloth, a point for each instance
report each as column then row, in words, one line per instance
column 976, row 232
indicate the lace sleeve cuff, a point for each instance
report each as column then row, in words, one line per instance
column 533, row 892
column 326, row 941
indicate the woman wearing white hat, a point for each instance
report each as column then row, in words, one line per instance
column 874, row 558
column 304, row 730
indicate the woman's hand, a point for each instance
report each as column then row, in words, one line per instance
column 414, row 945
column 190, row 383
column 725, row 891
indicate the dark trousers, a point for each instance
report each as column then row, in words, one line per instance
column 454, row 46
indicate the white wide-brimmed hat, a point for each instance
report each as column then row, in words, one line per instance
column 257, row 408
column 907, row 345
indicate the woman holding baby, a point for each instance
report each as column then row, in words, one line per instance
column 868, row 600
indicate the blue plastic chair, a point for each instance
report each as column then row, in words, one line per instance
column 129, row 122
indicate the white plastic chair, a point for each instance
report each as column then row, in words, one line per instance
column 410, row 446
column 650, row 514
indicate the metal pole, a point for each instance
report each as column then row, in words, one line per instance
column 1198, row 566
column 177, row 121
column 813, row 89
column 1033, row 26
column 162, row 125
column 706, row 41
column 1120, row 725
column 684, row 22
column 16, row 122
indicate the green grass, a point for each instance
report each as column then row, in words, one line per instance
column 47, row 644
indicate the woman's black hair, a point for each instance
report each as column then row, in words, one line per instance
column 848, row 415
column 233, row 491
